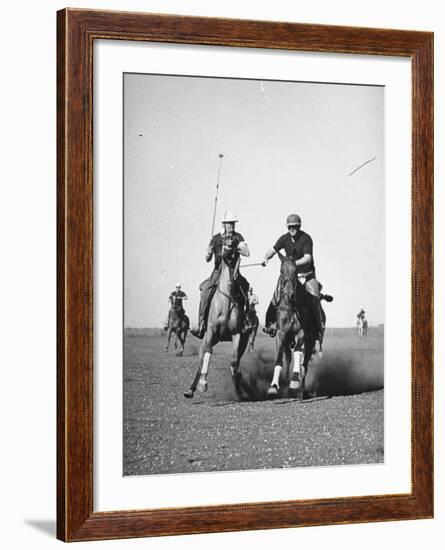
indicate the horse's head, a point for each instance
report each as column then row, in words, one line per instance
column 288, row 279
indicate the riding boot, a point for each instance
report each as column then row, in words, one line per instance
column 316, row 308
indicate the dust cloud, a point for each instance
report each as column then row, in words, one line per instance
column 338, row 372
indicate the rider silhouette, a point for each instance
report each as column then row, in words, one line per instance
column 253, row 299
column 176, row 298
column 298, row 246
column 227, row 242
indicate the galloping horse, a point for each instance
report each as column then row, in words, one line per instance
column 254, row 323
column 224, row 324
column 179, row 323
column 295, row 332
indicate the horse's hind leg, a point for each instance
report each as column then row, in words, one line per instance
column 240, row 343
column 234, row 364
column 308, row 345
column 252, row 337
column 251, row 340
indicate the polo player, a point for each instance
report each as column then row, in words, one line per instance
column 228, row 241
column 253, row 299
column 298, row 246
column 176, row 298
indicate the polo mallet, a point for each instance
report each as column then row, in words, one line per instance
column 220, row 155
column 252, row 265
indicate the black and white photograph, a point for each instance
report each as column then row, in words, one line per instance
column 254, row 274
column 223, row 278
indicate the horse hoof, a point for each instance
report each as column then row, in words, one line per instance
column 272, row 391
column 202, row 386
column 188, row 394
column 320, row 355
column 179, row 353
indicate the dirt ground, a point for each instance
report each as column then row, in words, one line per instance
column 215, row 431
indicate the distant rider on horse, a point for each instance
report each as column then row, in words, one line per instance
column 176, row 298
column 253, row 300
column 225, row 242
column 361, row 314
column 298, row 246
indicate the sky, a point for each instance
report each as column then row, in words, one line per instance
column 289, row 147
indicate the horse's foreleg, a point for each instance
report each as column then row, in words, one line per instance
column 308, row 346
column 200, row 380
column 298, row 366
column 205, row 354
column 275, row 383
column 168, row 339
column 179, row 337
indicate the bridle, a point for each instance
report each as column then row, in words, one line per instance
column 284, row 292
column 232, row 271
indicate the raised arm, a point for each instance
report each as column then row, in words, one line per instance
column 210, row 251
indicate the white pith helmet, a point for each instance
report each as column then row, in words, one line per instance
column 178, row 285
column 229, row 217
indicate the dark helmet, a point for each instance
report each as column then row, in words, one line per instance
column 293, row 219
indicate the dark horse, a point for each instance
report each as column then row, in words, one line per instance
column 179, row 323
column 224, row 324
column 296, row 331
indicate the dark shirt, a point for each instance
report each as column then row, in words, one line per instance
column 176, row 298
column 216, row 244
column 296, row 248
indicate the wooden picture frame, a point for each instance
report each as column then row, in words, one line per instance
column 77, row 31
